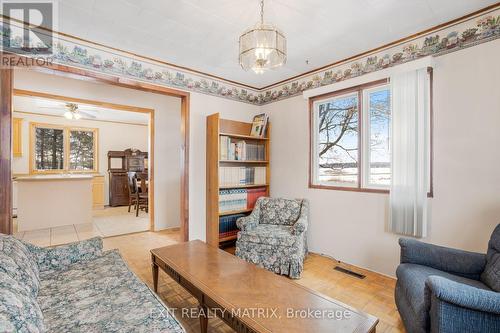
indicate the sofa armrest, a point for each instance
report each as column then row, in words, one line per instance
column 453, row 261
column 302, row 223
column 60, row 257
column 457, row 307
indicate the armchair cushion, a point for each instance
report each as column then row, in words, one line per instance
column 279, row 211
column 269, row 234
column 411, row 284
column 453, row 261
column 491, row 274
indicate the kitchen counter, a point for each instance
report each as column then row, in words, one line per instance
column 54, row 177
column 46, row 201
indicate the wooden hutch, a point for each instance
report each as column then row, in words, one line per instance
column 119, row 164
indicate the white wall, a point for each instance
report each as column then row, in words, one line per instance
column 351, row 226
column 167, row 130
column 167, row 138
column 110, row 138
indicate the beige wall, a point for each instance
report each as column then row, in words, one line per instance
column 351, row 226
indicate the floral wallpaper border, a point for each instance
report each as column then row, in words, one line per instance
column 71, row 52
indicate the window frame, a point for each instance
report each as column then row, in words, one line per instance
column 66, row 149
column 362, row 151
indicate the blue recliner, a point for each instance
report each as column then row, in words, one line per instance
column 446, row 290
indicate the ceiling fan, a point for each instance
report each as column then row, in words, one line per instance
column 71, row 110
column 74, row 112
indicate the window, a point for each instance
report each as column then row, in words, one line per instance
column 81, row 150
column 351, row 138
column 58, row 149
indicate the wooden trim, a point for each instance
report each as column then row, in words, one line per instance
column 185, row 121
column 105, row 105
column 6, row 79
column 349, row 189
column 85, row 119
column 435, row 28
column 151, row 168
column 431, row 134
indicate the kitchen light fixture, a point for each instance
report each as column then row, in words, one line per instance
column 262, row 47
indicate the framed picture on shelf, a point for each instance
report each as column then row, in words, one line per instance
column 259, row 125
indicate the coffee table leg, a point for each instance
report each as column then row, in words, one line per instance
column 203, row 318
column 154, row 268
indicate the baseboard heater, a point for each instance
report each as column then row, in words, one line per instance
column 349, row 272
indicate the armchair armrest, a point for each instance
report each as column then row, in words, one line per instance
column 60, row 257
column 251, row 221
column 457, row 307
column 457, row 262
column 302, row 223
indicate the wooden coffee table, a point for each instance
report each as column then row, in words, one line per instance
column 251, row 299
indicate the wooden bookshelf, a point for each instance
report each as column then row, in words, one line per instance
column 217, row 127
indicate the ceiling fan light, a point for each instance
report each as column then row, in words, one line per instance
column 77, row 116
column 68, row 115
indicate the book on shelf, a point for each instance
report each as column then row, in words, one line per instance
column 239, row 199
column 240, row 150
column 259, row 125
column 227, row 225
column 238, row 176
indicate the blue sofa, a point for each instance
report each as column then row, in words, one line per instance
column 75, row 288
column 446, row 290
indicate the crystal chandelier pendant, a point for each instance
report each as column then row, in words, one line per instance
column 262, row 47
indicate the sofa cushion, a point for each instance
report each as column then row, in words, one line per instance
column 277, row 235
column 101, row 295
column 17, row 262
column 279, row 211
column 19, row 311
column 491, row 274
column 411, row 281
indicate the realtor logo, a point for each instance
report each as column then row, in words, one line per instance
column 27, row 26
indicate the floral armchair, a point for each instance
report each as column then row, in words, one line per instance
column 273, row 236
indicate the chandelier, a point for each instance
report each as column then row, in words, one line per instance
column 262, row 47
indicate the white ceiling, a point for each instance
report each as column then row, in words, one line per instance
column 53, row 107
column 203, row 34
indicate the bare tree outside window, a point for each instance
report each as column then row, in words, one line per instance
column 81, row 150
column 338, row 140
column 352, row 146
column 49, row 149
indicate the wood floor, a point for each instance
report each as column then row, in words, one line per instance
column 374, row 294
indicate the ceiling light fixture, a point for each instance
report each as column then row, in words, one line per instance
column 73, row 112
column 262, row 47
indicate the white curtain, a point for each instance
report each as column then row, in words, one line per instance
column 410, row 153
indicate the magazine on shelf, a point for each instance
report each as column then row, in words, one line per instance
column 259, row 125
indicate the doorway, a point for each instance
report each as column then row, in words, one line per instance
column 6, row 90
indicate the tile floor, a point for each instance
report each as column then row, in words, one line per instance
column 106, row 223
